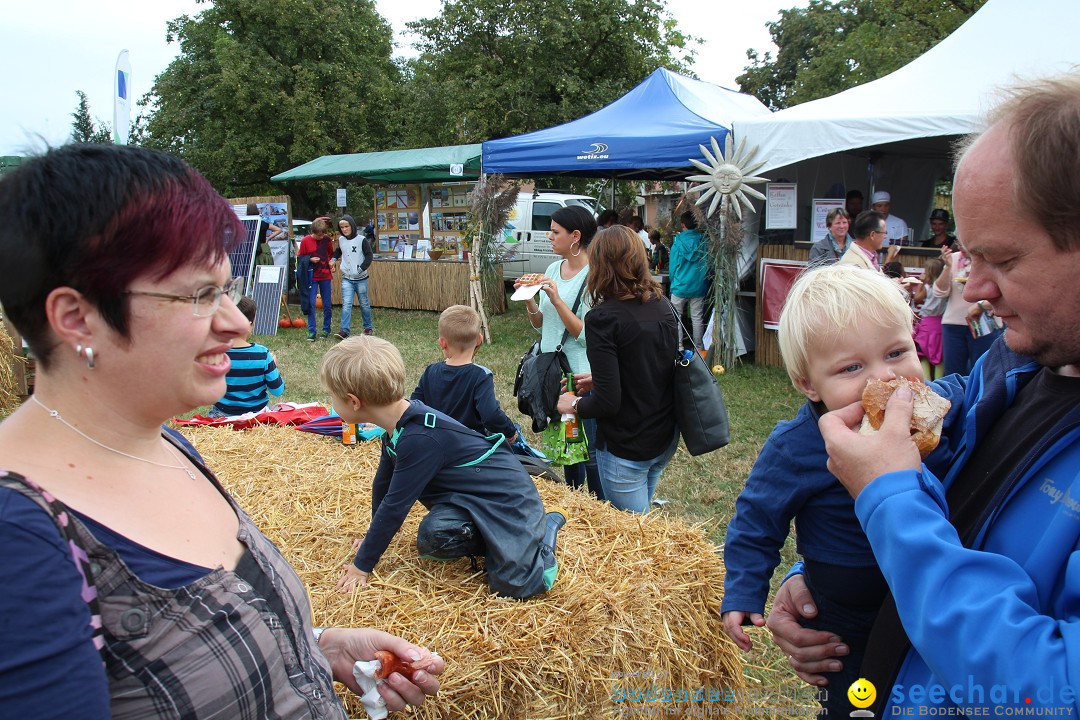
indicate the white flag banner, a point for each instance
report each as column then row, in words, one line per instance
column 122, row 99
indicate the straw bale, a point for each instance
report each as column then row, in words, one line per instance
column 636, row 605
column 10, row 363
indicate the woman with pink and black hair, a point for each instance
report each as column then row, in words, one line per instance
column 130, row 577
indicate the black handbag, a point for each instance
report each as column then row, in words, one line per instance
column 700, row 411
column 538, row 381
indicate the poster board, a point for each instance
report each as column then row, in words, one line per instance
column 397, row 214
column 267, row 291
column 280, row 249
column 274, row 209
column 450, row 204
column 781, row 203
column 821, row 208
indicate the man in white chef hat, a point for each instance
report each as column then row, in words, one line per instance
column 896, row 228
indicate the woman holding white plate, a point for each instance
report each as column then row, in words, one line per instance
column 552, row 312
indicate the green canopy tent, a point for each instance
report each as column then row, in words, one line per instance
column 422, row 165
column 10, row 162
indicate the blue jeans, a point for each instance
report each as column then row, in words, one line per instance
column 631, row 484
column 323, row 288
column 961, row 350
column 348, row 289
column 586, row 472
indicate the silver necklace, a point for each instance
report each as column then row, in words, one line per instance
column 100, row 444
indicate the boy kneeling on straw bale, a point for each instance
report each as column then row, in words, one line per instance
column 480, row 499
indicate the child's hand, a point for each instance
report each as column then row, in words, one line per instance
column 352, row 579
column 733, row 620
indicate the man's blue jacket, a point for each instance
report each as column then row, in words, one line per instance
column 997, row 624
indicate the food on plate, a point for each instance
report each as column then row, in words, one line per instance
column 926, row 418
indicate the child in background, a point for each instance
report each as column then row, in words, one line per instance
column 659, row 251
column 480, row 499
column 928, row 336
column 318, row 248
column 354, row 256
column 841, row 326
column 458, row 387
column 253, row 375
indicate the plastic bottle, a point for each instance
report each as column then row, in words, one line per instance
column 571, row 428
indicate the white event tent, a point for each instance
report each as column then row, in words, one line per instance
column 895, row 133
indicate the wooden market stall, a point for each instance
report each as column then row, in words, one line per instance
column 417, row 285
column 421, row 198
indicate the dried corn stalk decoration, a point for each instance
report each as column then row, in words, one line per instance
column 492, row 201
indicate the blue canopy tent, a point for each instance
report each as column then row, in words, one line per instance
column 648, row 134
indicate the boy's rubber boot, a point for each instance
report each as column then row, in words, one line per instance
column 553, row 522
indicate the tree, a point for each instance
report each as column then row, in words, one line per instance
column 492, row 68
column 261, row 86
column 83, row 128
column 831, row 46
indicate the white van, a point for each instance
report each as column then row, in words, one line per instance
column 526, row 248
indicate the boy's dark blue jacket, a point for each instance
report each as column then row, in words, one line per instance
column 465, row 393
column 789, row 480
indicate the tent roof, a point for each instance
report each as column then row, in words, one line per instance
column 946, row 91
column 648, row 133
column 394, row 166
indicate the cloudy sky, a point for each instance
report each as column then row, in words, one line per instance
column 51, row 48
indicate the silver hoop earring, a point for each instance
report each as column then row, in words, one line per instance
column 578, row 249
column 87, row 353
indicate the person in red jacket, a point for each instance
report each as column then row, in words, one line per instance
column 319, row 249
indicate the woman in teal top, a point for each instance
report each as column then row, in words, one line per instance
column 572, row 229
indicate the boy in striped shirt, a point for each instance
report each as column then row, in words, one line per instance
column 253, row 376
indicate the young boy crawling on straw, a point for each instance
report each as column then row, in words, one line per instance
column 841, row 327
column 479, row 497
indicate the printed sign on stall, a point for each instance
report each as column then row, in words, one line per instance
column 781, row 203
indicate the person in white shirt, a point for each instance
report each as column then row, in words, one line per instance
column 896, row 227
column 635, row 224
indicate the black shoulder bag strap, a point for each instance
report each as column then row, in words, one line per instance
column 685, row 333
column 577, row 304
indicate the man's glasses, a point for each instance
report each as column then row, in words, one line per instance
column 206, row 301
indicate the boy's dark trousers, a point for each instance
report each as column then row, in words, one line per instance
column 853, row 624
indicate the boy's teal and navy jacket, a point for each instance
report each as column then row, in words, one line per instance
column 433, row 458
column 997, row 624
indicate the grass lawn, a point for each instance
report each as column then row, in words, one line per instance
column 702, row 489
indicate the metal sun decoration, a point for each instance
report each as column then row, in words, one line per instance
column 727, row 177
column 727, row 184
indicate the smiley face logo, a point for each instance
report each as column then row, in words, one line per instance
column 862, row 693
